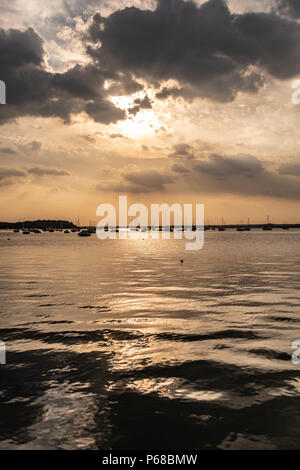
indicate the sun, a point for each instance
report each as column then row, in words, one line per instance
column 144, row 123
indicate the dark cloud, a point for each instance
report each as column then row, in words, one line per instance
column 292, row 169
column 7, row 151
column 209, row 51
column 219, row 166
column 36, row 146
column 125, row 188
column 117, row 136
column 10, row 172
column 5, row 183
column 149, row 179
column 140, row 181
column 104, row 111
column 9, row 176
column 271, row 42
column 216, row 175
column 182, row 151
column 33, row 91
column 187, row 93
column 123, row 84
column 19, row 48
column 40, row 171
column 243, row 176
column 143, row 103
column 139, row 104
column 178, row 168
column 80, row 82
column 206, row 47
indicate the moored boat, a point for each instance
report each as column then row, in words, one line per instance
column 84, row 233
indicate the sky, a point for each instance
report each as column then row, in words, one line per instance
column 166, row 101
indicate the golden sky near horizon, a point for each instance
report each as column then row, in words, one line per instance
column 170, row 102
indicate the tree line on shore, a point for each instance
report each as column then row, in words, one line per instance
column 40, row 224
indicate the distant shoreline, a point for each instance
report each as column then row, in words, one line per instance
column 40, row 224
column 63, row 224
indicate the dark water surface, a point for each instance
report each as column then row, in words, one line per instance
column 115, row 344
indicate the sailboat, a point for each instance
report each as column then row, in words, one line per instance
column 268, row 226
column 241, row 227
column 222, row 228
column 247, row 227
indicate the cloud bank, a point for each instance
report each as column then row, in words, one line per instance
column 209, row 51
